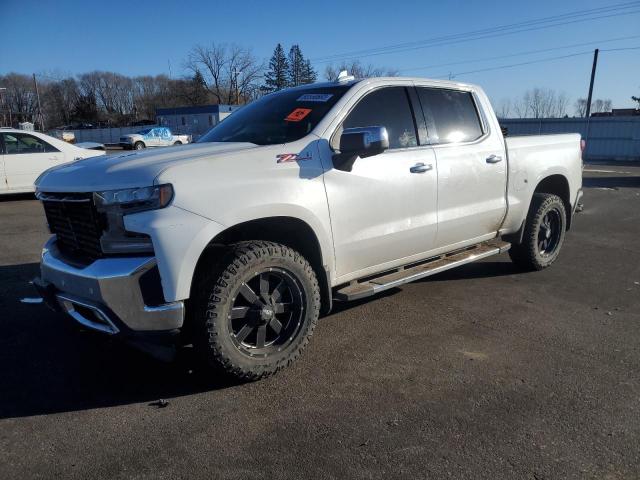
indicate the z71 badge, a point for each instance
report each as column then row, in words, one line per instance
column 291, row 157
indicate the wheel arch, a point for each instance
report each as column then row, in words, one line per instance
column 557, row 184
column 290, row 231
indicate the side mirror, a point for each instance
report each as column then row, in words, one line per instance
column 364, row 141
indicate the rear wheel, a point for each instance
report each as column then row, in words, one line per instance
column 543, row 235
column 255, row 311
column 178, row 142
column 139, row 146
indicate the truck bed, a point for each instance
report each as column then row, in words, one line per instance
column 534, row 157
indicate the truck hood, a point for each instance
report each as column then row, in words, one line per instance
column 128, row 170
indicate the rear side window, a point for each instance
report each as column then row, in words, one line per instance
column 451, row 115
column 389, row 108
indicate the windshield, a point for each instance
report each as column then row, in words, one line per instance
column 278, row 118
column 144, row 132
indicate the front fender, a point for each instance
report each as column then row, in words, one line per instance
column 179, row 237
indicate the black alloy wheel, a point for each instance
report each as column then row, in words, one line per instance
column 266, row 313
column 549, row 232
column 543, row 235
column 255, row 308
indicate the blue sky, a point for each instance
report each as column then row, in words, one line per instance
column 145, row 37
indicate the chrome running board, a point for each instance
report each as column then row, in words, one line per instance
column 394, row 278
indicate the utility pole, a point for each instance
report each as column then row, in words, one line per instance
column 593, row 77
column 234, row 84
column 35, row 83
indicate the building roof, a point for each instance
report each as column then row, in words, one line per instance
column 195, row 110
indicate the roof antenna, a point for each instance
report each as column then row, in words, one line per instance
column 344, row 76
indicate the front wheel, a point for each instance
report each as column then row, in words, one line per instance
column 543, row 234
column 255, row 310
column 139, row 146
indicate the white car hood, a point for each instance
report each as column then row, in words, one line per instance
column 127, row 170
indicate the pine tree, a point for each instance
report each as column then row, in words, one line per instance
column 198, row 89
column 276, row 77
column 309, row 75
column 296, row 66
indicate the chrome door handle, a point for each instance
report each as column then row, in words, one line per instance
column 494, row 159
column 420, row 168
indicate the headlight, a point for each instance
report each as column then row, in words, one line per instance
column 115, row 204
column 132, row 200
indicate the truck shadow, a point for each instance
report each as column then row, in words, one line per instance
column 484, row 269
column 48, row 366
column 611, row 182
column 12, row 197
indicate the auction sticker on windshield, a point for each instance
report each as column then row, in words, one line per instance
column 315, row 97
column 298, row 114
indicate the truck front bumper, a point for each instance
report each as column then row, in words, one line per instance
column 105, row 295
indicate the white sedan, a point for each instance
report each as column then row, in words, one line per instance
column 24, row 155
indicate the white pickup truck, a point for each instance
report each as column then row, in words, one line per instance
column 152, row 137
column 333, row 191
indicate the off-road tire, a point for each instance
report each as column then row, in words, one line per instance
column 528, row 255
column 216, row 289
column 139, row 146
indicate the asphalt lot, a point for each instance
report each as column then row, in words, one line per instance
column 481, row 372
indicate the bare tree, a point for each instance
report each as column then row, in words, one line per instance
column 521, row 107
column 19, row 96
column 358, row 70
column 561, row 105
column 231, row 73
column 541, row 103
column 597, row 106
column 600, row 105
column 504, row 108
column 581, row 107
column 59, row 100
column 244, row 72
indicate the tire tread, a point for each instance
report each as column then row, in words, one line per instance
column 214, row 290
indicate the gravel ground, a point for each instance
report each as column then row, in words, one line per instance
column 481, row 372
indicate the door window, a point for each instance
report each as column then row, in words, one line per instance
column 17, row 143
column 451, row 115
column 389, row 108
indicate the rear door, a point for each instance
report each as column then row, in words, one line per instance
column 383, row 211
column 472, row 170
column 164, row 136
column 26, row 157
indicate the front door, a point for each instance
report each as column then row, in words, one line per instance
column 383, row 211
column 26, row 157
column 472, row 170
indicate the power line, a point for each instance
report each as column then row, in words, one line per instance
column 529, row 52
column 542, row 60
column 578, row 13
column 537, row 24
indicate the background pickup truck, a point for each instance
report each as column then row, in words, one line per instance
column 333, row 191
column 153, row 137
